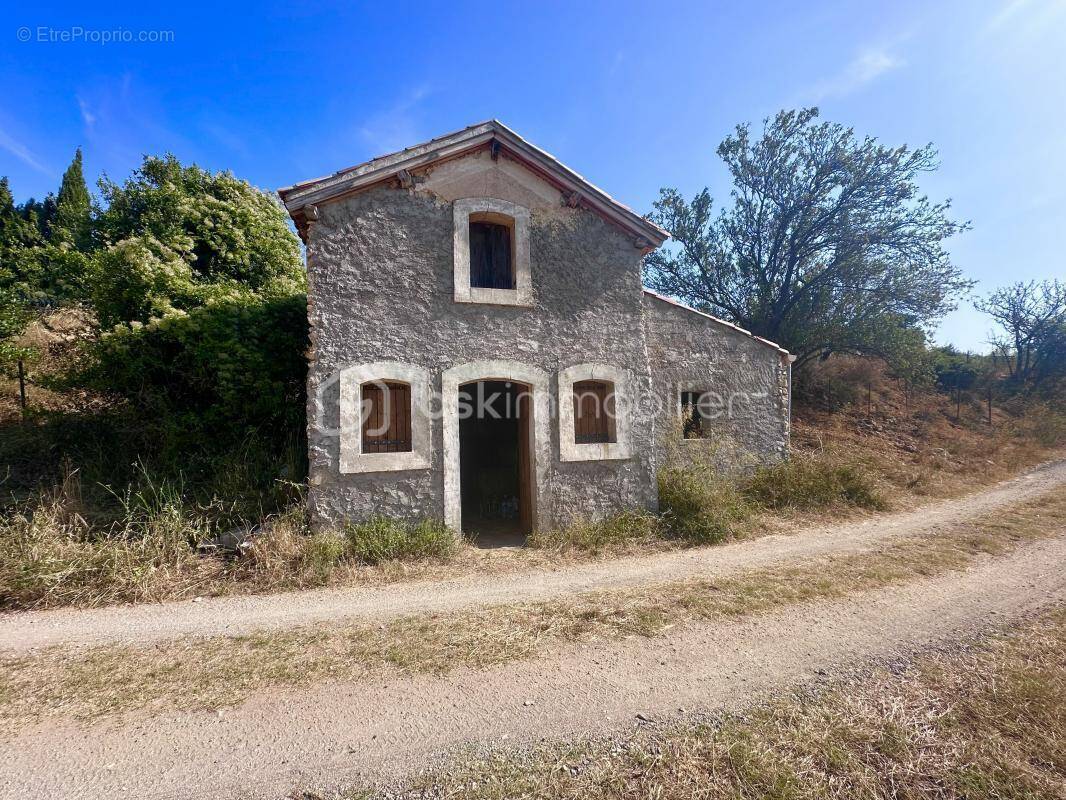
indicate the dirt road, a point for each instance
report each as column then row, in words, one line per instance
column 247, row 614
column 336, row 735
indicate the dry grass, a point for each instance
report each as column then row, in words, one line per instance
column 628, row 532
column 699, row 505
column 51, row 556
column 209, row 672
column 984, row 723
column 915, row 445
column 851, row 462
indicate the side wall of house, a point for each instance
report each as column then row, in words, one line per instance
column 748, row 381
column 380, row 267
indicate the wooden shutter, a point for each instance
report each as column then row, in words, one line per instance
column 387, row 422
column 490, row 256
column 591, row 421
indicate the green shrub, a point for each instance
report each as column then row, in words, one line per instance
column 322, row 553
column 700, row 507
column 216, row 372
column 811, row 482
column 596, row 536
column 382, row 539
column 174, row 237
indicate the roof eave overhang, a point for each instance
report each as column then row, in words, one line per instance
column 300, row 197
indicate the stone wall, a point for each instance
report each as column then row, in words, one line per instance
column 381, row 289
column 689, row 351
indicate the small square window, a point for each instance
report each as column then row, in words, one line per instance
column 692, row 417
column 491, row 252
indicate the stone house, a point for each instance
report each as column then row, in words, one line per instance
column 483, row 350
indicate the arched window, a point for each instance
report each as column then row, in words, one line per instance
column 491, row 252
column 384, row 417
column 593, row 413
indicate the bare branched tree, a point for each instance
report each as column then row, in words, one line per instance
column 1031, row 317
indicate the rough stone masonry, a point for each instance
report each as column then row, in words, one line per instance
column 388, row 300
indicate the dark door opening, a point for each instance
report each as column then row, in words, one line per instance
column 494, row 457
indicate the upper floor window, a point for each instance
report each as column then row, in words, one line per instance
column 491, row 252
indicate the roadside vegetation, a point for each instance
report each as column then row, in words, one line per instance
column 982, row 722
column 156, row 539
column 184, row 673
column 152, row 370
column 881, row 445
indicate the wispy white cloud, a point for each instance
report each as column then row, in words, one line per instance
column 224, row 134
column 88, row 118
column 1009, row 11
column 121, row 122
column 1019, row 20
column 395, row 127
column 866, row 67
column 21, row 152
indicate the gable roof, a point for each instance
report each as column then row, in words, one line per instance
column 493, row 135
column 730, row 325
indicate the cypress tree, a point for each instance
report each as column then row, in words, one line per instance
column 73, row 207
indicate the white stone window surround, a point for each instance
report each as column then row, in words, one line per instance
column 352, row 378
column 540, row 450
column 522, row 294
column 570, row 450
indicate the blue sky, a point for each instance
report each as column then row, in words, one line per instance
column 635, row 96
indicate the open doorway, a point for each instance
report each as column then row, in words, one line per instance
column 494, row 462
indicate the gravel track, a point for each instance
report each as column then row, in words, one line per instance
column 24, row 630
column 335, row 735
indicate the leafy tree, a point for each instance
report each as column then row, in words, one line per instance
column 1030, row 316
column 138, row 279
column 955, row 370
column 197, row 282
column 45, row 246
column 73, row 209
column 185, row 236
column 15, row 315
column 17, row 236
column 45, row 213
column 1051, row 362
column 199, row 286
column 38, row 214
column 828, row 245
